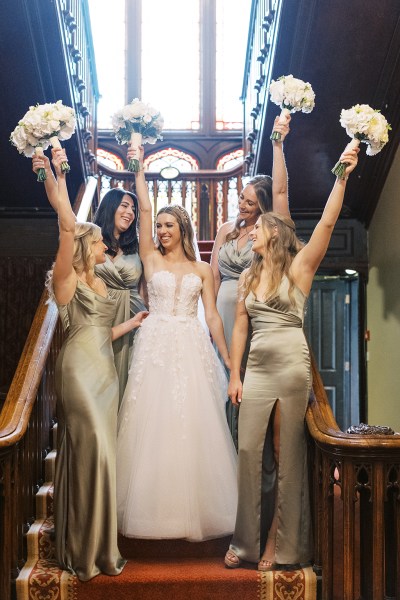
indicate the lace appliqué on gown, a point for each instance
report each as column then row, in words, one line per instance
column 176, row 461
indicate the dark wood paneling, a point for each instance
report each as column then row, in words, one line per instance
column 27, row 249
column 348, row 248
column 350, row 53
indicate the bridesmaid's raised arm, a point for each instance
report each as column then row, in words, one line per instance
column 280, row 195
column 64, row 275
column 307, row 261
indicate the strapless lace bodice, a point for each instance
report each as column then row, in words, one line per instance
column 174, row 296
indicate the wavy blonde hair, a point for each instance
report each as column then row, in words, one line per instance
column 83, row 261
column 281, row 250
column 185, row 227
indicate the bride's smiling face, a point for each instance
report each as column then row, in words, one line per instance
column 168, row 231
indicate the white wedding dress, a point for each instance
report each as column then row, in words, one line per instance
column 176, row 462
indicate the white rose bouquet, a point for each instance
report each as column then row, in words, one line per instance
column 137, row 123
column 42, row 125
column 363, row 124
column 291, row 95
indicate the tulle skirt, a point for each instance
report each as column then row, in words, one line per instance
column 176, row 462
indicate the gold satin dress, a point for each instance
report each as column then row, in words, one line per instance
column 85, row 510
column 278, row 368
column 122, row 278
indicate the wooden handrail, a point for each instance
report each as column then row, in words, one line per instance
column 25, row 424
column 326, row 433
column 355, row 491
column 14, row 417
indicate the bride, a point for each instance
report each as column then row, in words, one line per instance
column 176, row 472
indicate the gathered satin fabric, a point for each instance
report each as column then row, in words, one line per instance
column 278, row 368
column 231, row 264
column 122, row 278
column 176, row 470
column 87, row 402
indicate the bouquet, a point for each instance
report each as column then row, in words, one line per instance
column 137, row 123
column 363, row 124
column 42, row 125
column 291, row 95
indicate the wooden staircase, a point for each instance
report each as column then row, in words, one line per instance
column 156, row 569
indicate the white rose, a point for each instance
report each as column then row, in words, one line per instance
column 137, row 108
column 149, row 140
column 276, row 90
column 158, row 124
column 19, row 138
column 66, row 132
column 151, row 110
column 32, row 139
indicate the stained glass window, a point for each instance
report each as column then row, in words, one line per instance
column 170, row 157
column 110, row 159
column 231, row 160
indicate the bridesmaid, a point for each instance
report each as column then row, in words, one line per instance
column 117, row 216
column 85, row 510
column 122, row 270
column 276, row 387
column 232, row 248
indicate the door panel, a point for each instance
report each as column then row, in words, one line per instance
column 331, row 327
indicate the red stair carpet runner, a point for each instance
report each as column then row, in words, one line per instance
column 156, row 570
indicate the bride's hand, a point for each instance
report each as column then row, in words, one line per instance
column 227, row 362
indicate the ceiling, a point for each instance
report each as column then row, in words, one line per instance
column 350, row 53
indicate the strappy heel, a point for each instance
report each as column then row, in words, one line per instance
column 265, row 565
column 232, row 561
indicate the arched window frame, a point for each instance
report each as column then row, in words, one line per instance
column 208, row 142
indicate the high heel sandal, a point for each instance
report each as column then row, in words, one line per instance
column 265, row 565
column 232, row 564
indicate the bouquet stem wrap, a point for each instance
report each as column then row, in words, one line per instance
column 275, row 135
column 340, row 168
column 55, row 142
column 135, row 142
column 41, row 174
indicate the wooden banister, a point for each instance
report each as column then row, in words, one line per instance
column 26, row 422
column 21, row 397
column 205, row 194
column 355, row 487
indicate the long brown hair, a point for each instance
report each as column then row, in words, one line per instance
column 185, row 227
column 262, row 186
column 281, row 250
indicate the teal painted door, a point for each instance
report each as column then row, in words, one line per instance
column 332, row 329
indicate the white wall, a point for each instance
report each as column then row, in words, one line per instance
column 383, row 305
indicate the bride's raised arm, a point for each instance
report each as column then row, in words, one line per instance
column 146, row 242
